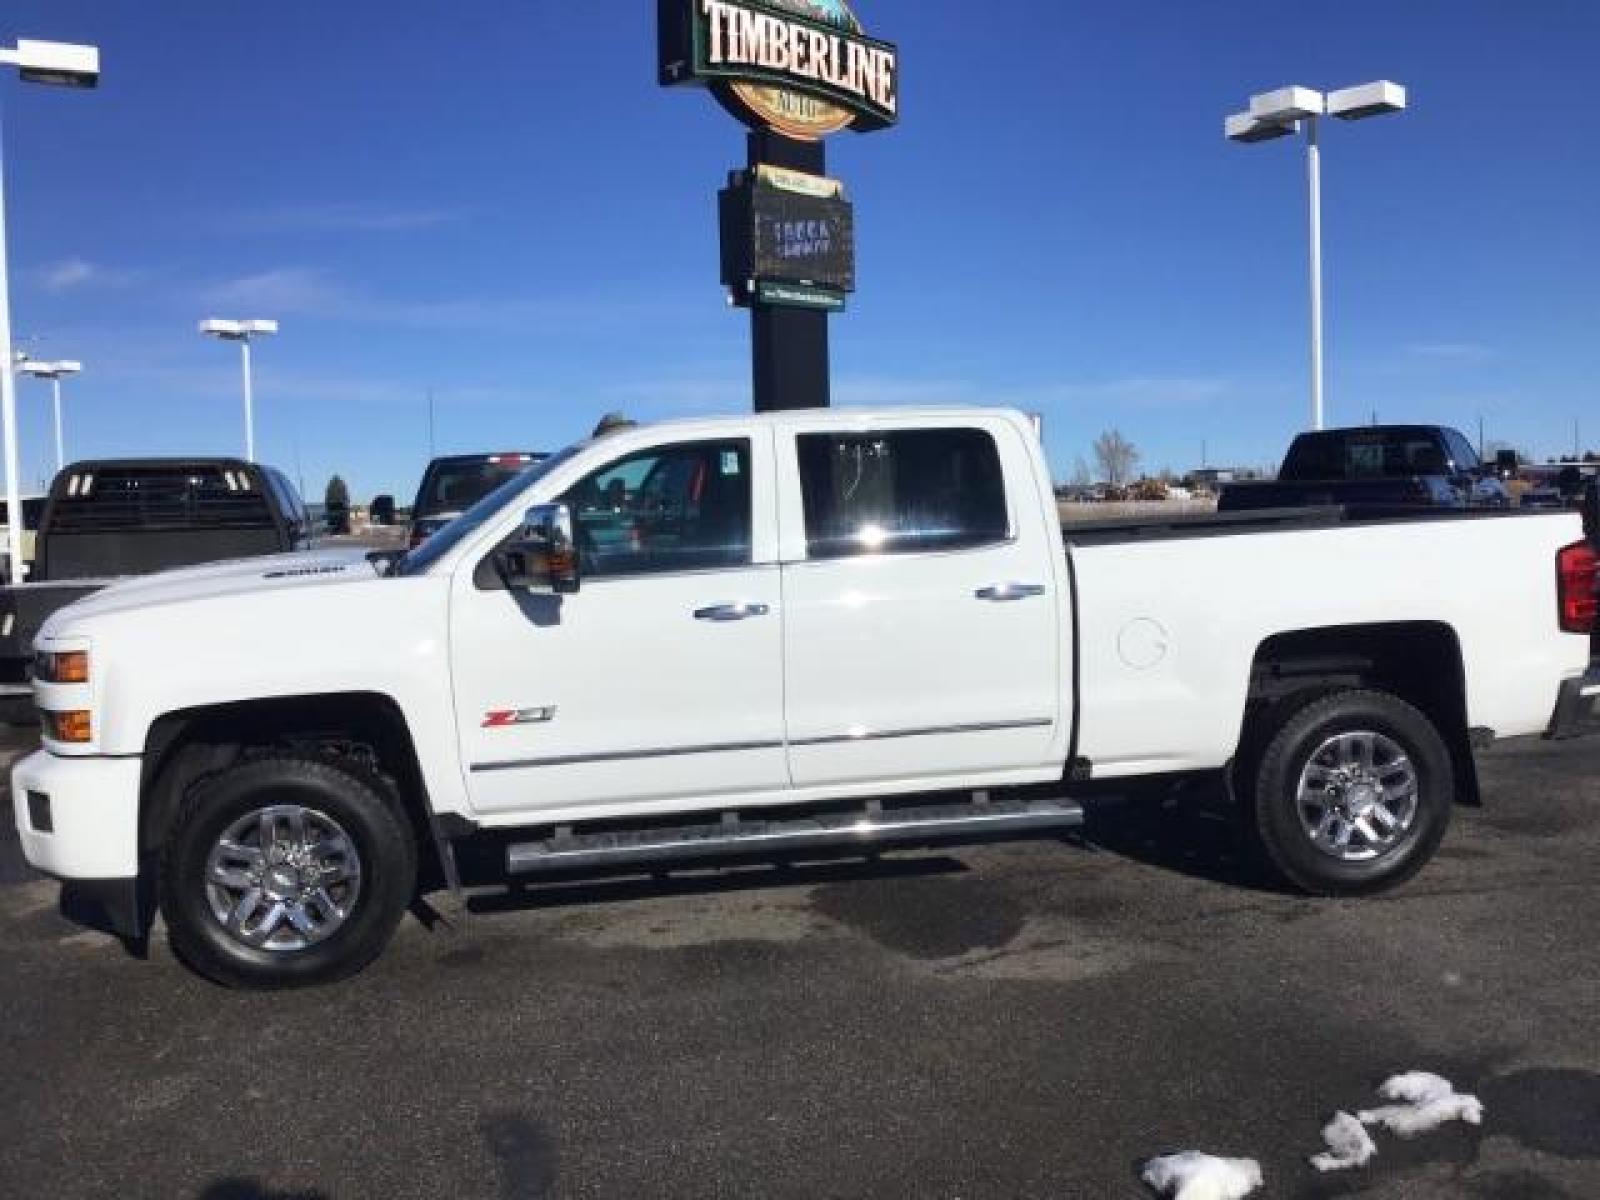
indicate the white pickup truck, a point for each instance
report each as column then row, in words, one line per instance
column 775, row 636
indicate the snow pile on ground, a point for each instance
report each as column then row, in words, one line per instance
column 1195, row 1176
column 1349, row 1144
column 1419, row 1102
column 1423, row 1102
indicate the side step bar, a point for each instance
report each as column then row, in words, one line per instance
column 734, row 836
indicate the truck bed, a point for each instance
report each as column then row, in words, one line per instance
column 1119, row 530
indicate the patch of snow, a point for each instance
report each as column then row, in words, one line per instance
column 1195, row 1176
column 1349, row 1144
column 1417, row 1087
column 1424, row 1102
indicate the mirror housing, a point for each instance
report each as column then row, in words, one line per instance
column 543, row 557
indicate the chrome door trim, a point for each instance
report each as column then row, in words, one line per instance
column 575, row 760
column 883, row 735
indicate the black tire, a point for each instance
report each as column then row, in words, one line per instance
column 360, row 806
column 1291, row 847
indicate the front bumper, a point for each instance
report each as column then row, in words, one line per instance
column 1578, row 709
column 78, row 818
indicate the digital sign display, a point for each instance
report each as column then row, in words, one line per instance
column 788, row 228
column 805, row 239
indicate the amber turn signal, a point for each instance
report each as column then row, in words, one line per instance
column 69, row 666
column 72, row 727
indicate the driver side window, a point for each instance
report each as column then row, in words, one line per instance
column 684, row 507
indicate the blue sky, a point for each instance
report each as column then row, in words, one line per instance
column 492, row 199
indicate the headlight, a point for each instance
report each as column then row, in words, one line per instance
column 73, row 727
column 67, row 666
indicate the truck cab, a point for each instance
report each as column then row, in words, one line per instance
column 1375, row 466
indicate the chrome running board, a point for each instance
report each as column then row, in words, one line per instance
column 734, row 835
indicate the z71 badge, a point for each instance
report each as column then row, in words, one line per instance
column 505, row 717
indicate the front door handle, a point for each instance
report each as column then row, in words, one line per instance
column 731, row 612
column 1000, row 593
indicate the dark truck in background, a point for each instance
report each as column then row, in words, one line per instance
column 1375, row 467
column 106, row 519
column 456, row 482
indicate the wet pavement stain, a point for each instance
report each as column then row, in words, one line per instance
column 524, row 1155
column 925, row 918
column 1548, row 1109
column 1516, row 1185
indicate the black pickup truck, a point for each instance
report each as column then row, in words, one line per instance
column 1375, row 466
column 106, row 519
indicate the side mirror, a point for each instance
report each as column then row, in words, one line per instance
column 543, row 557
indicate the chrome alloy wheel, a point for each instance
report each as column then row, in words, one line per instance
column 1358, row 796
column 283, row 878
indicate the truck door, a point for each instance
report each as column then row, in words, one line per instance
column 662, row 677
column 922, row 624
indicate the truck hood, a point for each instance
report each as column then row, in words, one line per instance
column 317, row 568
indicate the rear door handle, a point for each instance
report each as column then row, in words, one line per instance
column 1000, row 593
column 731, row 612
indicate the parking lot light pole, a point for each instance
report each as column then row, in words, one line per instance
column 242, row 332
column 1287, row 111
column 61, row 65
column 55, row 372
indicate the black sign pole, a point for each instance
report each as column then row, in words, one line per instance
column 788, row 346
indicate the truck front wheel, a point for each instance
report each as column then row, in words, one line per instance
column 1353, row 794
column 284, row 872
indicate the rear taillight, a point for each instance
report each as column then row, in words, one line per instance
column 1576, row 581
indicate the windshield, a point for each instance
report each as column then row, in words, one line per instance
column 418, row 561
column 453, row 487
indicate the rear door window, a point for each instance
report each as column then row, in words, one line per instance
column 900, row 492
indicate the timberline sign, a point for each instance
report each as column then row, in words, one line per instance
column 801, row 68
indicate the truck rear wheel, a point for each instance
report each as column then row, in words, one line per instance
column 1353, row 794
column 285, row 872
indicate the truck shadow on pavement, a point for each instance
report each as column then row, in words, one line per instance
column 250, row 1189
column 571, row 891
column 1194, row 829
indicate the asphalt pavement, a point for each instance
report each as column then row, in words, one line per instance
column 1028, row 1020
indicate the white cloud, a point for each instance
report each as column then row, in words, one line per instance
column 679, row 394
column 1141, row 391
column 311, row 292
column 297, row 290
column 72, row 273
